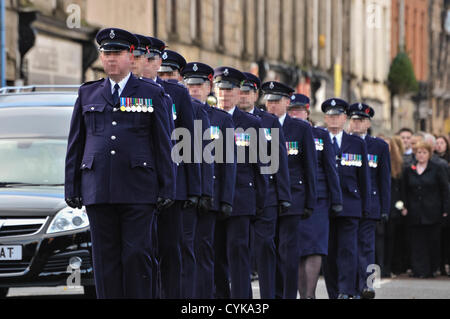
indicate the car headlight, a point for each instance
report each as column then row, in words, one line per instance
column 68, row 219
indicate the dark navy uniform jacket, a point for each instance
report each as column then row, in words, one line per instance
column 279, row 184
column 116, row 157
column 188, row 175
column 207, row 170
column 251, row 185
column 355, row 180
column 328, row 185
column 302, row 165
column 224, row 173
column 380, row 177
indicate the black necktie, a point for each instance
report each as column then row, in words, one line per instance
column 116, row 94
column 336, row 146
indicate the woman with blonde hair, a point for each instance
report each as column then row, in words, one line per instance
column 391, row 236
column 426, row 193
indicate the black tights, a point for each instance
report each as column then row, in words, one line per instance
column 308, row 275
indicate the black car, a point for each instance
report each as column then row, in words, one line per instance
column 43, row 242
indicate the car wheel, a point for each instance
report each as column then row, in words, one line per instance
column 89, row 292
column 3, row 292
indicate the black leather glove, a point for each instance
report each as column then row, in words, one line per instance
column 225, row 211
column 205, row 204
column 163, row 203
column 191, row 202
column 385, row 217
column 74, row 202
column 335, row 210
column 283, row 207
column 306, row 213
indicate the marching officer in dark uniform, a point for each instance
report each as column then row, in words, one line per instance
column 232, row 233
column 119, row 166
column 278, row 197
column 188, row 186
column 380, row 193
column 314, row 232
column 172, row 67
column 198, row 79
column 340, row 266
column 302, row 161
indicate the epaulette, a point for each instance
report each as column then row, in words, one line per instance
column 195, row 100
column 356, row 137
column 219, row 109
column 92, row 82
column 321, row 129
column 150, row 81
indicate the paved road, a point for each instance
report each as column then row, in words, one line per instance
column 399, row 288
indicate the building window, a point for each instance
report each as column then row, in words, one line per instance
column 196, row 18
column 219, row 23
column 172, row 17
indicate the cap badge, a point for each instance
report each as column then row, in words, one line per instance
column 112, row 35
column 333, row 103
column 164, row 56
column 271, row 86
column 293, row 98
column 226, row 72
column 360, row 107
column 195, row 67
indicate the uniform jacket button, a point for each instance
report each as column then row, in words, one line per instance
column 113, row 152
column 92, row 108
column 251, row 184
column 114, row 123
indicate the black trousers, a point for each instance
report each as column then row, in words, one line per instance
column 425, row 249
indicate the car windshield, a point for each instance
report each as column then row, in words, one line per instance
column 32, row 161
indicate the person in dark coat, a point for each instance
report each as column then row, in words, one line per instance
column 118, row 165
column 380, row 191
column 426, row 194
column 278, row 194
column 302, row 161
column 198, row 79
column 314, row 232
column 233, row 232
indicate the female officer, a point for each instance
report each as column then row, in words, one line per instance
column 314, row 231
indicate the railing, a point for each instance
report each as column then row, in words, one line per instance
column 37, row 88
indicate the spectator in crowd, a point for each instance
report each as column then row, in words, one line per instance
column 426, row 192
column 442, row 148
column 391, row 244
column 406, row 135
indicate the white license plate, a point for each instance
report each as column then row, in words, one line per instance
column 10, row 253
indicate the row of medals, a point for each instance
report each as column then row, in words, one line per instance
column 242, row 139
column 136, row 105
column 351, row 160
column 319, row 144
column 292, row 148
column 373, row 161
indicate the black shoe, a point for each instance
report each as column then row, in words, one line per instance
column 368, row 293
column 343, row 296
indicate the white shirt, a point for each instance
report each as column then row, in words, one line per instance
column 282, row 118
column 252, row 111
column 338, row 138
column 231, row 112
column 409, row 152
column 122, row 84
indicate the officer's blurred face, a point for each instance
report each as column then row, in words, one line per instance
column 153, row 65
column 247, row 100
column 406, row 139
column 117, row 64
column 335, row 122
column 227, row 98
column 279, row 107
column 299, row 113
column 199, row 91
column 138, row 65
column 358, row 126
column 174, row 75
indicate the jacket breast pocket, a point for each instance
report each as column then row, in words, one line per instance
column 142, row 163
column 94, row 117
